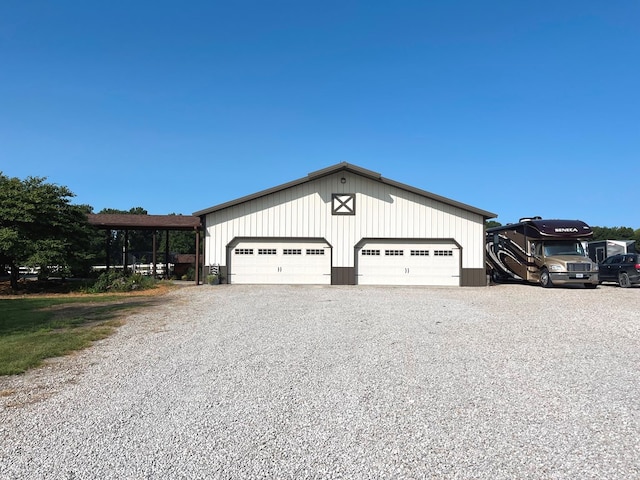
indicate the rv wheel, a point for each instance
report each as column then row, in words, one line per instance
column 545, row 278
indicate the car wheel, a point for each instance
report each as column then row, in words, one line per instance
column 623, row 280
column 545, row 278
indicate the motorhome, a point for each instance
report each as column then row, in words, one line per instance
column 548, row 252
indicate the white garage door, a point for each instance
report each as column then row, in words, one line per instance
column 397, row 262
column 280, row 262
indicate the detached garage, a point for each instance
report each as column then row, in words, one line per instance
column 345, row 225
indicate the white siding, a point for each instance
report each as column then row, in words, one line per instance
column 382, row 211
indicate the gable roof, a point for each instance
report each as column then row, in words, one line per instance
column 347, row 167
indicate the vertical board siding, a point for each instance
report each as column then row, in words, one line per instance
column 382, row 211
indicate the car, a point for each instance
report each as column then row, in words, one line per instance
column 623, row 268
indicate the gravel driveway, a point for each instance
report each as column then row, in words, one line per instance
column 503, row 382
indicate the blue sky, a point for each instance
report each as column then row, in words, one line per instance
column 518, row 108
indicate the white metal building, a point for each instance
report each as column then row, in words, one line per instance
column 346, row 225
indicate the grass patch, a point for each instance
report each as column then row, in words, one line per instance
column 33, row 329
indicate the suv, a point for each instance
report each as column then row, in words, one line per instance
column 623, row 268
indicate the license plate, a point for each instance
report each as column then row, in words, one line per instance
column 579, row 275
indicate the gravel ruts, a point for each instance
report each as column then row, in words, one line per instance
column 294, row 382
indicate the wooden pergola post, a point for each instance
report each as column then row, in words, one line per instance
column 166, row 256
column 154, row 254
column 125, row 252
column 197, row 256
column 108, row 250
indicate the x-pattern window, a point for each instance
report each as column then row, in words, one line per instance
column 344, row 203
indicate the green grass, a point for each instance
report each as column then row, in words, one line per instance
column 33, row 329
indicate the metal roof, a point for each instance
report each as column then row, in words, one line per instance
column 118, row 221
column 346, row 167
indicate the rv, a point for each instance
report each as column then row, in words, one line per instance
column 601, row 249
column 548, row 252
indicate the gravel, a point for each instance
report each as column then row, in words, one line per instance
column 502, row 382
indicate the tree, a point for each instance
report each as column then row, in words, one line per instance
column 613, row 233
column 492, row 223
column 39, row 226
column 617, row 233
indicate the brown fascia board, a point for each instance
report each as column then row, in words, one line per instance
column 116, row 221
column 344, row 166
column 185, row 258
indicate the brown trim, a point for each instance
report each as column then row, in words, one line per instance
column 109, row 221
column 343, row 276
column 473, row 277
column 235, row 240
column 345, row 166
column 364, row 240
column 197, row 260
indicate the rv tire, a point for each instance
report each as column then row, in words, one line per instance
column 545, row 278
column 590, row 285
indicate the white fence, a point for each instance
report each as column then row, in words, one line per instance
column 141, row 268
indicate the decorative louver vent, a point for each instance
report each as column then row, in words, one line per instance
column 343, row 203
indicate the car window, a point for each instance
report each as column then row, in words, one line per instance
column 616, row 259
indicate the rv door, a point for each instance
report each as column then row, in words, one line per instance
column 537, row 255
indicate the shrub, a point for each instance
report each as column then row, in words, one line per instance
column 191, row 274
column 114, row 281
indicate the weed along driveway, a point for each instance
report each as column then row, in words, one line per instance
column 298, row 382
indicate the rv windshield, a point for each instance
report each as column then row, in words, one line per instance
column 563, row 248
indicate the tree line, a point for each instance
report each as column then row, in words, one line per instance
column 40, row 227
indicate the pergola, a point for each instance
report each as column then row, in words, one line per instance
column 126, row 222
